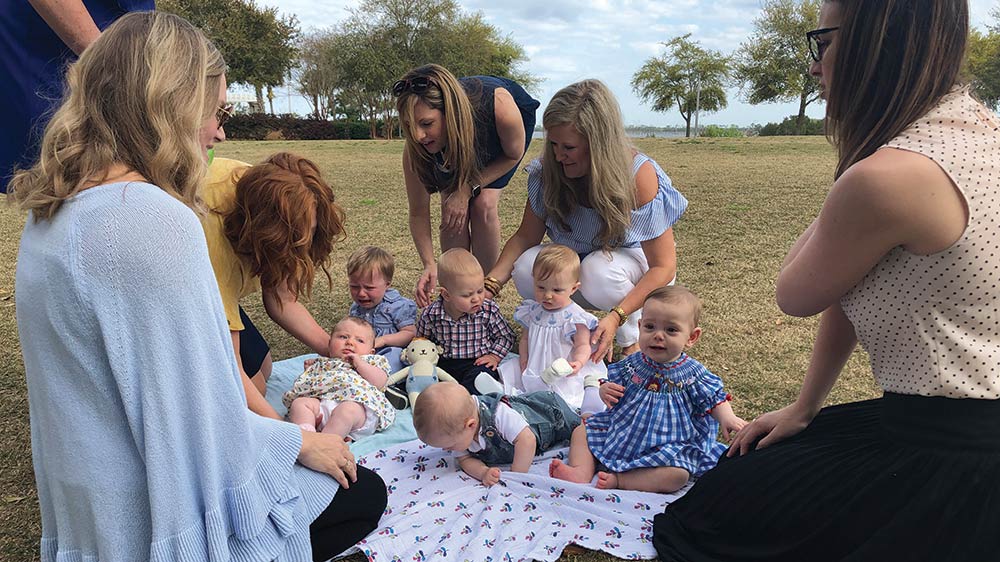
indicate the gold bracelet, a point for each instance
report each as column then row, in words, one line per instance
column 493, row 285
column 622, row 317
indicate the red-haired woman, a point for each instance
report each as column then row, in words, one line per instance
column 269, row 228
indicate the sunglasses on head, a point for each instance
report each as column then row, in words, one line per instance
column 417, row 85
column 223, row 114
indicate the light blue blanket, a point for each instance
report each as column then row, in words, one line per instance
column 284, row 373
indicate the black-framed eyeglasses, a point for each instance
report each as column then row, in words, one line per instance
column 817, row 46
column 417, row 85
column 223, row 114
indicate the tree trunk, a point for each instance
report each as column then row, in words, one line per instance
column 270, row 99
column 800, row 121
column 260, row 98
column 687, row 118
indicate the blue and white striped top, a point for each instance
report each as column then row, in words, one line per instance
column 648, row 222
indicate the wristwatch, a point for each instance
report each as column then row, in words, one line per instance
column 622, row 317
column 476, row 190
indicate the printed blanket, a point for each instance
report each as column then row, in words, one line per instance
column 437, row 512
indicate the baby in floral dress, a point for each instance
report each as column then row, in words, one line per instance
column 343, row 393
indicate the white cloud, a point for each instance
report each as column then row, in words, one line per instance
column 568, row 40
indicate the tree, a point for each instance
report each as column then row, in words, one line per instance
column 983, row 62
column 258, row 45
column 687, row 76
column 356, row 63
column 773, row 64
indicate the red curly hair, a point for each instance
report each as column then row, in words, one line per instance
column 271, row 225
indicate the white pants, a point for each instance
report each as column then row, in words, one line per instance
column 605, row 280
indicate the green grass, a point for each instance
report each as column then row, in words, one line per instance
column 749, row 200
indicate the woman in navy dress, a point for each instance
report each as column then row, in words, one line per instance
column 464, row 138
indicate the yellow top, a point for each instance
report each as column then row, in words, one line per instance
column 232, row 274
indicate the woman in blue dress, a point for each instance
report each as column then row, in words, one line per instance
column 464, row 138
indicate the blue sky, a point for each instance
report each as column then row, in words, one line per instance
column 569, row 40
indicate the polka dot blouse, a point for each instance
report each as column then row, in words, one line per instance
column 930, row 323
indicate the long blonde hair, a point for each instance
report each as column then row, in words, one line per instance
column 445, row 93
column 128, row 102
column 609, row 189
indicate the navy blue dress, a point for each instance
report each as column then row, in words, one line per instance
column 481, row 91
column 32, row 69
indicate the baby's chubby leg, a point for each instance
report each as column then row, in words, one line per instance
column 304, row 412
column 660, row 479
column 345, row 418
column 580, row 465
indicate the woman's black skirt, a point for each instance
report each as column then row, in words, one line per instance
column 898, row 478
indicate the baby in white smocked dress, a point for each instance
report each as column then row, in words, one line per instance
column 555, row 327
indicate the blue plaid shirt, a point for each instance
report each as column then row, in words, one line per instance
column 471, row 336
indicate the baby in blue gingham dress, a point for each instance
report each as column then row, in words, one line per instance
column 664, row 408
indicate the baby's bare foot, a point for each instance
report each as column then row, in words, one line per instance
column 607, row 480
column 563, row 471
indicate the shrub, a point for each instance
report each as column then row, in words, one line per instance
column 731, row 131
column 263, row 126
column 787, row 127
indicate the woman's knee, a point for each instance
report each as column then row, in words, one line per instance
column 371, row 487
column 602, row 283
column 484, row 210
column 521, row 274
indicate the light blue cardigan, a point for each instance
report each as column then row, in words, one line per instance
column 142, row 444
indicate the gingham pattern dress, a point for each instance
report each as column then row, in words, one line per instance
column 662, row 419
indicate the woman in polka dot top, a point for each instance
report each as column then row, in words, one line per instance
column 903, row 258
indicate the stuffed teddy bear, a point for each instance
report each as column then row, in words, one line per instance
column 422, row 355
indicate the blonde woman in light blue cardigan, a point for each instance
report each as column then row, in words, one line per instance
column 142, row 444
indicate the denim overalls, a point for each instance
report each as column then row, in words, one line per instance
column 548, row 416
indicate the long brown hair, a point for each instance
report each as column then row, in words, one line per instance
column 129, row 102
column 610, row 187
column 270, row 225
column 895, row 59
column 446, row 94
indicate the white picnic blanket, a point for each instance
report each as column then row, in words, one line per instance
column 437, row 512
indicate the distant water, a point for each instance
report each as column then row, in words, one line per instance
column 637, row 133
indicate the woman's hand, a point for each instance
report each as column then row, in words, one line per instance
column 455, row 211
column 773, row 426
column 603, row 338
column 426, row 285
column 327, row 453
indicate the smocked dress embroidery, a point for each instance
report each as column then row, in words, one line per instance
column 332, row 378
column 662, row 418
column 550, row 336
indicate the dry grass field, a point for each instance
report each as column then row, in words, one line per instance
column 749, row 200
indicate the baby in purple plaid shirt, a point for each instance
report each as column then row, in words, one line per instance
column 474, row 334
column 664, row 408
